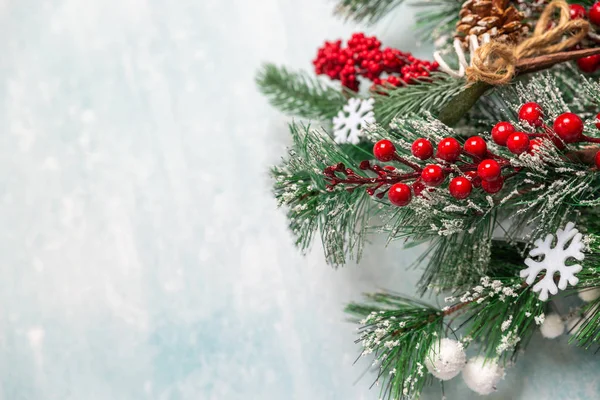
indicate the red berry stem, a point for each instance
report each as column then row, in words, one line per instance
column 410, row 164
column 589, row 139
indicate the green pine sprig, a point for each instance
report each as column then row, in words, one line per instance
column 299, row 94
column 367, row 11
column 339, row 216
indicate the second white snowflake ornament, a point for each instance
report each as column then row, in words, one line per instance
column 352, row 119
column 568, row 245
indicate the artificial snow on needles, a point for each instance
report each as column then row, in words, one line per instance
column 482, row 375
column 553, row 326
column 352, row 119
column 446, row 359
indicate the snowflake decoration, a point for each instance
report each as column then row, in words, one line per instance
column 554, row 260
column 356, row 115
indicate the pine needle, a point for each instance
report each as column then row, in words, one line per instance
column 299, row 94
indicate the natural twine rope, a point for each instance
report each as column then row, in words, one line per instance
column 495, row 63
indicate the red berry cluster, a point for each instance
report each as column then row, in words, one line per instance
column 480, row 168
column 591, row 63
column 363, row 56
column 566, row 128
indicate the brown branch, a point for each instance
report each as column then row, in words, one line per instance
column 546, row 61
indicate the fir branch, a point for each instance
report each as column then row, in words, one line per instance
column 339, row 216
column 399, row 332
column 369, row 11
column 503, row 315
column 430, row 94
column 299, row 94
column 436, row 19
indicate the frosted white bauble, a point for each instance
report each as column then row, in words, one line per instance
column 482, row 376
column 553, row 326
column 589, row 294
column 446, row 359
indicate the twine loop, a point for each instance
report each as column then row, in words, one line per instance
column 496, row 63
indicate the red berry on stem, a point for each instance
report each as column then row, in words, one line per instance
column 576, row 11
column 493, row 186
column 432, row 175
column 488, row 170
column 533, row 145
column 460, row 187
column 448, row 149
column 418, row 187
column 422, row 149
column 501, row 131
column 589, row 64
column 518, row 143
column 531, row 113
column 568, row 127
column 597, row 160
column 598, row 120
column 399, row 194
column 384, row 150
column 476, row 146
column 594, row 14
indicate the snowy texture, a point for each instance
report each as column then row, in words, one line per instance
column 350, row 121
column 553, row 326
column 482, row 376
column 446, row 359
column 568, row 245
column 143, row 255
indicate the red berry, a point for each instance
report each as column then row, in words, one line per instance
column 488, row 170
column 432, row 175
column 493, row 186
column 476, row 146
column 533, row 145
column 384, row 150
column 501, row 131
column 422, row 149
column 598, row 120
column 597, row 160
column 399, row 194
column 460, row 187
column 473, row 177
column 518, row 143
column 576, row 11
column 589, row 64
column 448, row 149
column 594, row 14
column 568, row 127
column 531, row 113
column 418, row 188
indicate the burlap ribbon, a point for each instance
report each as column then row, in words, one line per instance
column 496, row 63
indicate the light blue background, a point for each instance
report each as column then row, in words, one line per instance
column 142, row 255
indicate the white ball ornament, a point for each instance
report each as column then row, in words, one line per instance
column 589, row 294
column 553, row 326
column 482, row 376
column 446, row 359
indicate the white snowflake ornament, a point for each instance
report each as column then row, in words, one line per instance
column 568, row 245
column 352, row 119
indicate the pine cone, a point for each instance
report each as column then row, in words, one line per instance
column 502, row 21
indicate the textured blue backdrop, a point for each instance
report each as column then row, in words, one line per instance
column 142, row 256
